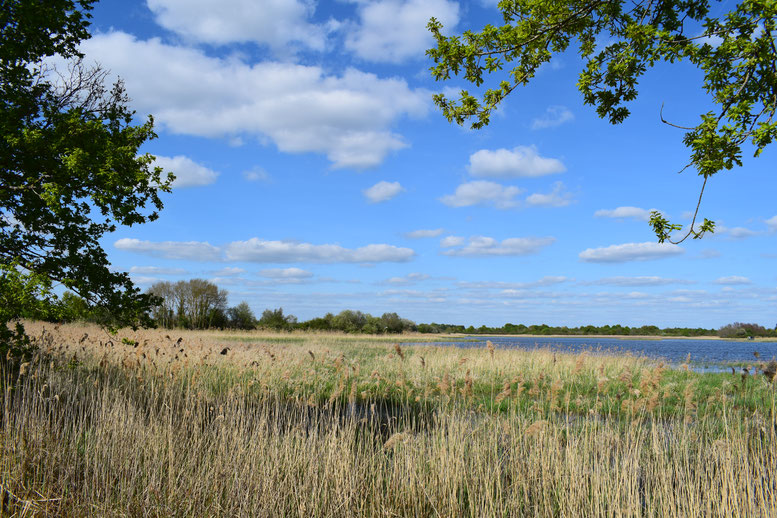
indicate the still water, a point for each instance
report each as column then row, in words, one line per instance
column 705, row 354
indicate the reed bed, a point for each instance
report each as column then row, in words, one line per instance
column 151, row 423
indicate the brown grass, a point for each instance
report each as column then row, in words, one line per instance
column 166, row 426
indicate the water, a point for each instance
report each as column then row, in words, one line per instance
column 705, row 354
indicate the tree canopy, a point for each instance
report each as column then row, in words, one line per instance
column 70, row 167
column 619, row 41
column 196, row 304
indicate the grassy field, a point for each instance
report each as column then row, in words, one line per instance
column 161, row 423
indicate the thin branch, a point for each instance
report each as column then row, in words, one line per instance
column 661, row 114
column 695, row 214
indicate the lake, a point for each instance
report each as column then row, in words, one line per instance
column 705, row 354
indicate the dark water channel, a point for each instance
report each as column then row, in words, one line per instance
column 706, row 355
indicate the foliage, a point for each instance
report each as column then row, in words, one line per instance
column 192, row 304
column 275, row 319
column 350, row 321
column 74, row 309
column 545, row 329
column 742, row 330
column 71, row 168
column 241, row 316
column 619, row 41
column 23, row 294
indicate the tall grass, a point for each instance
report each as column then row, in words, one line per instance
column 324, row 428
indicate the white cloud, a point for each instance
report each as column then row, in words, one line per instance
column 272, row 22
column 393, row 31
column 482, row 192
column 556, row 198
column 644, row 280
column 229, row 271
column 420, row 234
column 522, row 161
column 630, row 252
column 297, row 107
column 261, row 251
column 554, row 116
column 487, row 246
column 625, row 213
column 709, row 253
column 733, row 280
column 548, row 280
column 741, row 232
column 450, row 241
column 286, row 273
column 186, row 250
column 156, row 270
column 383, row 191
column 256, row 174
column 713, row 40
column 143, row 279
column 410, row 278
column 772, row 224
column 188, row 173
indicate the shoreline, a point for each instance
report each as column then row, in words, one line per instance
column 630, row 337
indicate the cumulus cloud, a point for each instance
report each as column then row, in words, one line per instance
column 625, row 213
column 143, row 279
column 630, row 252
column 521, row 161
column 229, row 271
column 482, row 192
column 270, row 22
column 286, row 273
column 156, row 270
column 709, row 253
column 449, row 241
column 480, row 246
column 645, row 280
column 299, row 108
column 188, row 173
column 554, row 116
column 186, row 250
column 410, row 278
column 740, row 232
column 772, row 224
column 732, row 280
column 548, row 280
column 555, row 198
column 261, row 251
column 393, row 31
column 382, row 191
column 256, row 174
column 421, row 234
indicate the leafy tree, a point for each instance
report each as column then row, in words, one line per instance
column 241, row 316
column 22, row 295
column 350, row 321
column 70, row 168
column 275, row 319
column 742, row 330
column 73, row 308
column 619, row 41
column 195, row 304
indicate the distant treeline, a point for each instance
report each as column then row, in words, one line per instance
column 200, row 304
column 544, row 329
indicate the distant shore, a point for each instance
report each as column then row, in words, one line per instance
column 633, row 337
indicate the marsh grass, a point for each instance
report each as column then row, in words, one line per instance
column 160, row 424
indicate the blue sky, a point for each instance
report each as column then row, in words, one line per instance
column 315, row 174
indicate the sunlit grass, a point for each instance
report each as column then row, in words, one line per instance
column 187, row 423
